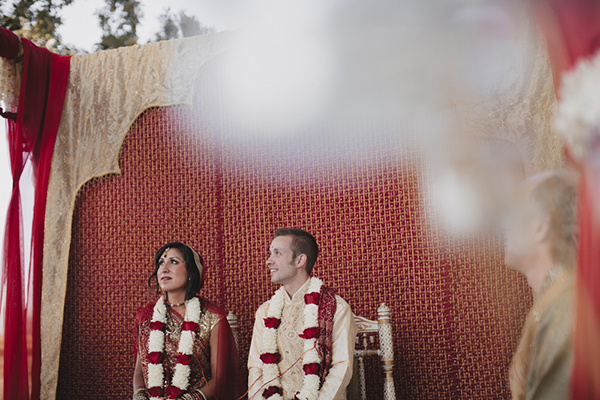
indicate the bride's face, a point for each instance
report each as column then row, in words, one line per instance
column 172, row 273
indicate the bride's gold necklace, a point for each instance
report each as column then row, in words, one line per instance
column 173, row 328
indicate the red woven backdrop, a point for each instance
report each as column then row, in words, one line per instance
column 456, row 310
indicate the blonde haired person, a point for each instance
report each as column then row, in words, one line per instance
column 541, row 244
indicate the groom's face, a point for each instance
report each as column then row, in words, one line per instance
column 280, row 264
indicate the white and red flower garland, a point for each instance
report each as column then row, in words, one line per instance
column 156, row 347
column 311, row 362
column 578, row 111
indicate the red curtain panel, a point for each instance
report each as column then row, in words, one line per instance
column 31, row 138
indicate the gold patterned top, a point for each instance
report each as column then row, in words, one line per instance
column 541, row 366
column 200, row 365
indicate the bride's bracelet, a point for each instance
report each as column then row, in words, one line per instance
column 140, row 394
column 199, row 395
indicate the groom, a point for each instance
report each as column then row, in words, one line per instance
column 303, row 340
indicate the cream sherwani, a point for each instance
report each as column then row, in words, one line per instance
column 291, row 348
column 541, row 366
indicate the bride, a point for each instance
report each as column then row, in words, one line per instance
column 185, row 348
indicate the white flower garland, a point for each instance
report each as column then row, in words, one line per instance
column 271, row 373
column 156, row 344
column 578, row 113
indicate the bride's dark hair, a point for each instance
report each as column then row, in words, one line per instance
column 195, row 283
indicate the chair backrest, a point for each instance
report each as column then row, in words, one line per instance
column 233, row 323
column 366, row 329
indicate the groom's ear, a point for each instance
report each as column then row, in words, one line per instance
column 301, row 261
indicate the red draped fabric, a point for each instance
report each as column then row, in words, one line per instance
column 32, row 137
column 578, row 22
column 572, row 31
column 585, row 379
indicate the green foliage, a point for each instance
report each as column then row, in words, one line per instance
column 119, row 21
column 169, row 26
column 37, row 20
column 182, row 25
column 190, row 26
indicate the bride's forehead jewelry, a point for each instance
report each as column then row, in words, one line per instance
column 197, row 261
column 165, row 253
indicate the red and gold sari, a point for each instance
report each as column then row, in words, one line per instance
column 227, row 372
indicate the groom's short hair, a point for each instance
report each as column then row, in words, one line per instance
column 302, row 243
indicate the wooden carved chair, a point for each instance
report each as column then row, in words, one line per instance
column 233, row 323
column 366, row 329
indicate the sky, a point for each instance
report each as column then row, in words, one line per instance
column 5, row 193
column 5, row 179
column 81, row 29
